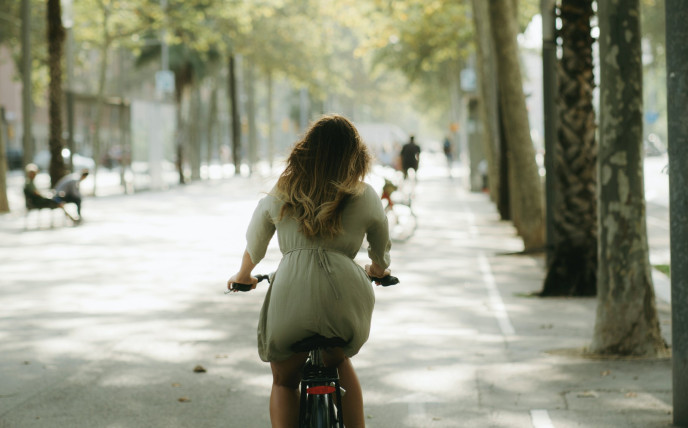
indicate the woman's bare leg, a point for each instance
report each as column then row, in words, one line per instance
column 352, row 402
column 284, row 397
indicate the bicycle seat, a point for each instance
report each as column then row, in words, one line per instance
column 318, row 342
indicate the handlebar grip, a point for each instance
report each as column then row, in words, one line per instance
column 385, row 281
column 248, row 287
column 241, row 287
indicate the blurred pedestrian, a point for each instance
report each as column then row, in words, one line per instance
column 410, row 157
column 67, row 189
column 448, row 153
column 483, row 171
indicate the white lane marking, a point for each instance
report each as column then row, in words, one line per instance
column 495, row 299
column 492, row 291
column 540, row 419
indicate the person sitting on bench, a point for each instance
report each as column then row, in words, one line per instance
column 34, row 198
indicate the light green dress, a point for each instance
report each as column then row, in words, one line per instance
column 318, row 288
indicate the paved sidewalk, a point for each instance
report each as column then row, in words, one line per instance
column 102, row 324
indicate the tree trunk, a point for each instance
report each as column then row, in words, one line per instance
column 250, row 85
column 271, row 120
column 236, row 122
column 194, row 132
column 505, row 190
column 213, row 128
column 183, row 78
column 573, row 267
column 626, row 322
column 55, row 36
column 4, row 203
column 529, row 208
column 26, row 71
column 179, row 136
column 489, row 109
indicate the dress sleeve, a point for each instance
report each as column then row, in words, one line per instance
column 260, row 230
column 377, row 231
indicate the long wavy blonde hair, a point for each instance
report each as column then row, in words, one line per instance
column 323, row 170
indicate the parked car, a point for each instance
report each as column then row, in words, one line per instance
column 42, row 160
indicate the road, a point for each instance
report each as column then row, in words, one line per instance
column 103, row 324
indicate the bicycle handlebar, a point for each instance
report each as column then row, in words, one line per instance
column 237, row 286
column 385, row 281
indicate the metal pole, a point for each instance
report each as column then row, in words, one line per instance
column 70, row 95
column 549, row 80
column 165, row 56
column 26, row 81
column 677, row 106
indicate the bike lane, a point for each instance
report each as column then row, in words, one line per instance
column 463, row 343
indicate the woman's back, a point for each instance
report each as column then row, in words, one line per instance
column 318, row 288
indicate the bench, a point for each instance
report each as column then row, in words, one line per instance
column 34, row 203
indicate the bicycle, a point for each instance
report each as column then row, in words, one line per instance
column 400, row 216
column 320, row 403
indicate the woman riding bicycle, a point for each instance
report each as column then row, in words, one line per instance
column 321, row 210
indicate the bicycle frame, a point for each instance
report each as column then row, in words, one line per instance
column 320, row 403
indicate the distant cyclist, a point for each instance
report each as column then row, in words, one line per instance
column 410, row 156
column 321, row 210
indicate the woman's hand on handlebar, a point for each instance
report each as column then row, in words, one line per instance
column 374, row 270
column 241, row 279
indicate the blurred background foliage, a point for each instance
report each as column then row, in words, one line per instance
column 374, row 60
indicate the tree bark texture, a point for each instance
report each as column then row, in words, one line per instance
column 250, row 88
column 677, row 106
column 26, row 71
column 195, row 137
column 626, row 322
column 573, row 267
column 213, row 128
column 236, row 121
column 183, row 79
column 528, row 212
column 56, row 36
column 489, row 109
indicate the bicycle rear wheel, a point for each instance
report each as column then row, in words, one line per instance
column 320, row 414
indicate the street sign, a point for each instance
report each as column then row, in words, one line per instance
column 468, row 80
column 164, row 81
